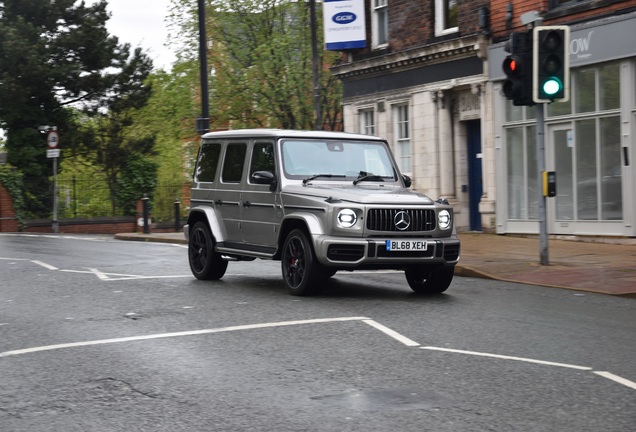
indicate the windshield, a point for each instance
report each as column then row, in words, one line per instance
column 336, row 160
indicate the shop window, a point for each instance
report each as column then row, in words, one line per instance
column 597, row 88
column 367, row 122
column 445, row 17
column 402, row 135
column 380, row 23
column 522, row 173
column 519, row 113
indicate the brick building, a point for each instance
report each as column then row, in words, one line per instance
column 429, row 80
column 421, row 82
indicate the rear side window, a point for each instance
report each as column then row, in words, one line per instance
column 208, row 162
column 233, row 163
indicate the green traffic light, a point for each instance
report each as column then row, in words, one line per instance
column 552, row 86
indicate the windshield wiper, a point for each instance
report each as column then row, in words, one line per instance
column 315, row 176
column 367, row 177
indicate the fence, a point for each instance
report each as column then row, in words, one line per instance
column 90, row 197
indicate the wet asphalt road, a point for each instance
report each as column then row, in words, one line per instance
column 103, row 335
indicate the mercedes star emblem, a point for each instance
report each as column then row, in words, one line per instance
column 402, row 220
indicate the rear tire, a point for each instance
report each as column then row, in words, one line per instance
column 205, row 263
column 302, row 274
column 429, row 281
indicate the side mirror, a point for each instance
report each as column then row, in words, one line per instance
column 407, row 180
column 264, row 178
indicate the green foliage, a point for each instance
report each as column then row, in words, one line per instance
column 11, row 179
column 261, row 64
column 138, row 179
column 54, row 56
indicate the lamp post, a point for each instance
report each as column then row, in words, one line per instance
column 203, row 123
column 315, row 63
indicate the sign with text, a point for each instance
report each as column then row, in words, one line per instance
column 53, row 153
column 344, row 24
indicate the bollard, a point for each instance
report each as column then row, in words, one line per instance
column 144, row 201
column 177, row 216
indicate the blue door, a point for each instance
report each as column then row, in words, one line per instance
column 475, row 184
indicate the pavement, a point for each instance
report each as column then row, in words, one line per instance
column 591, row 264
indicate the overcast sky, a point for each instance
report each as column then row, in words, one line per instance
column 142, row 24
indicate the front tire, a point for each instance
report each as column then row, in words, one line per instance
column 205, row 263
column 429, row 281
column 301, row 272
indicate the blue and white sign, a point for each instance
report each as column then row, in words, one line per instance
column 344, row 24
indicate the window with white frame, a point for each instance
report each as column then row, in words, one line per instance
column 402, row 135
column 367, row 122
column 380, row 23
column 445, row 17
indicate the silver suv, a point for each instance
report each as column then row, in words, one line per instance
column 318, row 202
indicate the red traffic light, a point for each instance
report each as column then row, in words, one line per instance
column 511, row 65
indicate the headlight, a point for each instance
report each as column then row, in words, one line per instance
column 347, row 218
column 444, row 219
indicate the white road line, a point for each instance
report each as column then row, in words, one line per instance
column 100, row 275
column 15, row 259
column 527, row 360
column 45, row 265
column 387, row 331
column 620, row 380
column 177, row 334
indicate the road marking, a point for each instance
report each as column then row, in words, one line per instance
column 99, row 274
column 176, row 334
column 45, row 265
column 620, row 380
column 387, row 331
column 527, row 360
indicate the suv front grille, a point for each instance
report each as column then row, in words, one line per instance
column 385, row 220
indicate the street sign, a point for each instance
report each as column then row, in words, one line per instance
column 53, row 153
column 52, row 140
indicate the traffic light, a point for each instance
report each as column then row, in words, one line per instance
column 551, row 64
column 518, row 69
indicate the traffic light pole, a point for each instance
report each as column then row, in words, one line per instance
column 543, row 228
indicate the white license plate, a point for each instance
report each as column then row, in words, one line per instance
column 406, row 245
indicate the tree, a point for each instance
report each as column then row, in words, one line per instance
column 56, row 58
column 261, row 65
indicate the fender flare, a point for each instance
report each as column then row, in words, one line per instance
column 209, row 215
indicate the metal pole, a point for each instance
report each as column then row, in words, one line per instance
column 144, row 201
column 204, row 125
column 55, row 228
column 543, row 231
column 177, row 216
column 315, row 63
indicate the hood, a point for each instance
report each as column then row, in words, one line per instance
column 361, row 193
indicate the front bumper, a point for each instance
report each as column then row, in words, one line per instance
column 352, row 253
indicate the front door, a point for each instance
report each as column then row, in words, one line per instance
column 586, row 157
column 475, row 181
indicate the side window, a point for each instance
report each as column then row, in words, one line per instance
column 208, row 162
column 233, row 163
column 262, row 158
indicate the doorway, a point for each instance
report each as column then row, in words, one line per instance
column 475, row 176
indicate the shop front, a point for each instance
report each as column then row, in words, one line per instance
column 588, row 140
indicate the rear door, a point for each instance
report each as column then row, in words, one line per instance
column 228, row 196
